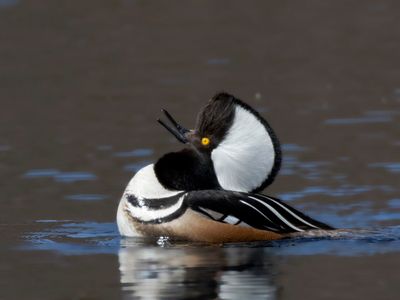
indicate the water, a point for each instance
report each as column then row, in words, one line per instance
column 81, row 85
column 71, row 238
column 151, row 268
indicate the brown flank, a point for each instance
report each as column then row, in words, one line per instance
column 193, row 227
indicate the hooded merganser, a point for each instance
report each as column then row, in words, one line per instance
column 208, row 191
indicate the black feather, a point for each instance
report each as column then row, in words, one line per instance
column 258, row 211
column 215, row 119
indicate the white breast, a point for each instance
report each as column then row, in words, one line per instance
column 144, row 185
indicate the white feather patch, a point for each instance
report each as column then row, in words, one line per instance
column 146, row 185
column 244, row 159
column 231, row 220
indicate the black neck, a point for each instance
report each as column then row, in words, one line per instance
column 186, row 170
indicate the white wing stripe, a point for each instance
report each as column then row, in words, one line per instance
column 256, row 210
column 277, row 214
column 270, row 228
column 292, row 213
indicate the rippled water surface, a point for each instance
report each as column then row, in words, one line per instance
column 81, row 85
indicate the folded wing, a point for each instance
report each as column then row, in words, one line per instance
column 256, row 210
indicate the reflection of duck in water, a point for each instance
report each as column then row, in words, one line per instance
column 179, row 272
column 208, row 191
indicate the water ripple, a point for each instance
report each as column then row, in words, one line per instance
column 136, row 166
column 311, row 170
column 86, row 197
column 74, row 238
column 69, row 177
column 135, row 153
column 293, row 148
column 341, row 191
column 393, row 167
column 366, row 118
column 65, row 177
column 394, row 203
column 41, row 173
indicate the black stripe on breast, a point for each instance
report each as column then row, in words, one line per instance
column 154, row 203
column 176, row 214
column 158, row 204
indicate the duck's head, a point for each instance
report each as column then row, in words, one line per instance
column 232, row 147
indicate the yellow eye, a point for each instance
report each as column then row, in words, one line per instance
column 205, row 141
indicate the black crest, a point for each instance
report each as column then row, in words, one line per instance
column 216, row 117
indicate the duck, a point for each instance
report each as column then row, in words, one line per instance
column 210, row 191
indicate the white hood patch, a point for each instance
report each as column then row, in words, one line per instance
column 246, row 156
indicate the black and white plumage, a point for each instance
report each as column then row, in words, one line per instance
column 236, row 208
column 208, row 190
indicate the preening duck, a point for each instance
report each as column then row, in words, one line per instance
column 209, row 191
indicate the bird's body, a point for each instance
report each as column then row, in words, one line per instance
column 208, row 191
column 148, row 209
